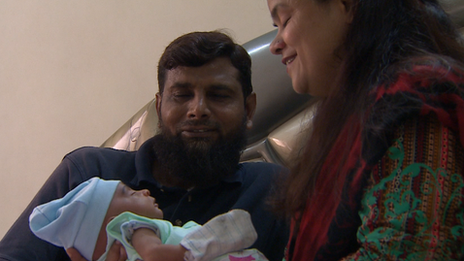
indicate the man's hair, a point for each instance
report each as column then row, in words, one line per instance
column 198, row 48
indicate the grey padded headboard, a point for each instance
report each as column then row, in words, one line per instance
column 279, row 111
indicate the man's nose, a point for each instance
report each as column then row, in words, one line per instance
column 198, row 108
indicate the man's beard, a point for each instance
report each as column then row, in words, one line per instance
column 199, row 162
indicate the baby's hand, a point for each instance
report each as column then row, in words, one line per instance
column 150, row 247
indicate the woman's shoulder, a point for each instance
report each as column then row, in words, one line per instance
column 431, row 76
column 420, row 88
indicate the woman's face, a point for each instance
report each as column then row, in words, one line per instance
column 309, row 38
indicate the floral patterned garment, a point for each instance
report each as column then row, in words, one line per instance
column 409, row 167
column 413, row 205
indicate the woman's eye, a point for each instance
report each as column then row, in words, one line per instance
column 286, row 22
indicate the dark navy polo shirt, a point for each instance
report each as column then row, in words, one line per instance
column 247, row 189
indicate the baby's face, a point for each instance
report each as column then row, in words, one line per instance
column 139, row 202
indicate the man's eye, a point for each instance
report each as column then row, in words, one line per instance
column 181, row 95
column 220, row 95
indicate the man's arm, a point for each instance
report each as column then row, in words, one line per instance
column 146, row 243
column 115, row 253
column 20, row 243
column 273, row 231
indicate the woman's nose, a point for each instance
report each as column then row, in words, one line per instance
column 277, row 45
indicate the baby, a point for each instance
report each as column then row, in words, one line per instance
column 97, row 212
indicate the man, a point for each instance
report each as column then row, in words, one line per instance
column 205, row 105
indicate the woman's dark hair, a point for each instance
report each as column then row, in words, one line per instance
column 384, row 36
column 198, row 48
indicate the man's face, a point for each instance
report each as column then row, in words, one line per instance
column 203, row 104
column 203, row 119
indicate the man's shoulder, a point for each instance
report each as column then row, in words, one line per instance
column 89, row 151
column 259, row 165
column 106, row 163
column 263, row 170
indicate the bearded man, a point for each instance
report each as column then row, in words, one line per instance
column 205, row 104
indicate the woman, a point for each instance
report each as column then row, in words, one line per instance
column 381, row 174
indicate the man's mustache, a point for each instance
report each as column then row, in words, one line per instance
column 194, row 123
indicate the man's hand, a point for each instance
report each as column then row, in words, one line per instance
column 74, row 254
column 116, row 253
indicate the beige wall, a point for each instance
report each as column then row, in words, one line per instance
column 72, row 72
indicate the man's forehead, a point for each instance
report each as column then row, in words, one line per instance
column 191, row 77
